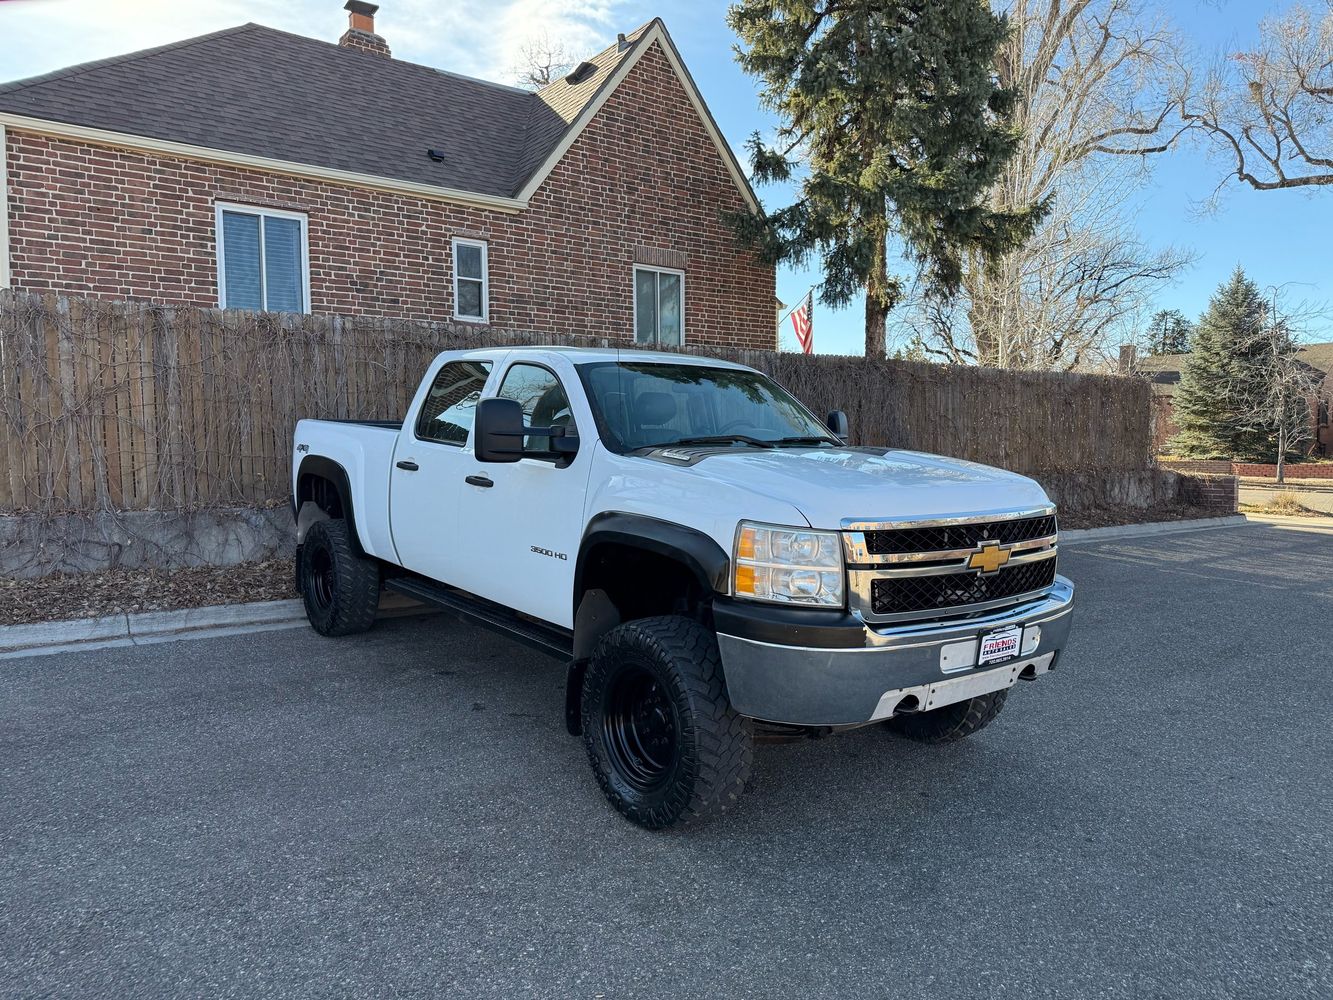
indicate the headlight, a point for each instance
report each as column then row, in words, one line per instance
column 787, row 565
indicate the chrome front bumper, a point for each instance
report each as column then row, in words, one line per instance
column 888, row 669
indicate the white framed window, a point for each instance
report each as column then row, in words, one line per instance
column 472, row 281
column 659, row 306
column 263, row 259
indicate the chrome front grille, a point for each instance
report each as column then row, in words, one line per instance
column 958, row 536
column 906, row 594
column 936, row 568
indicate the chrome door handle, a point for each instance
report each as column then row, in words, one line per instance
column 482, row 481
column 408, row 466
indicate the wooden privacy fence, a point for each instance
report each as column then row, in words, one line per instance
column 128, row 406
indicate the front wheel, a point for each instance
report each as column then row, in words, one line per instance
column 341, row 590
column 952, row 722
column 661, row 735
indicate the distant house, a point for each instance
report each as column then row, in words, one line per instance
column 256, row 169
column 1164, row 370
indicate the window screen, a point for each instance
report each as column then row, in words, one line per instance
column 470, row 280
column 261, row 260
column 659, row 307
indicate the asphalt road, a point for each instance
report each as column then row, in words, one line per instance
column 401, row 814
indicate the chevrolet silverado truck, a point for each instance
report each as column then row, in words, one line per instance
column 714, row 565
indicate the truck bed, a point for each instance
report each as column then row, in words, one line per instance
column 364, row 449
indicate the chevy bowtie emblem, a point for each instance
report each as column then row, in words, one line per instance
column 988, row 558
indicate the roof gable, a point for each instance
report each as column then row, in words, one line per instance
column 642, row 41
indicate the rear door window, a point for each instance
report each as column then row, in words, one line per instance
column 446, row 415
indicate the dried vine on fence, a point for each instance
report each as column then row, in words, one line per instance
column 129, row 406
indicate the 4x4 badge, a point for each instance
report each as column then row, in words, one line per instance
column 988, row 558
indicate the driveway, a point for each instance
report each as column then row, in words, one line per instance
column 401, row 814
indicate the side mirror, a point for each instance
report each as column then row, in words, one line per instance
column 498, row 433
column 837, row 423
column 497, row 430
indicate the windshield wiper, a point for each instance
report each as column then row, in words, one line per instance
column 720, row 439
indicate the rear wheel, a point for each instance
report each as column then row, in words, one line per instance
column 952, row 722
column 663, row 740
column 341, row 590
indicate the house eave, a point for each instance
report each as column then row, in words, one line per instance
column 205, row 154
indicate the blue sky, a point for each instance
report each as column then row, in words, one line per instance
column 1279, row 236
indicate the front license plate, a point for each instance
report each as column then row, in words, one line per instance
column 1000, row 645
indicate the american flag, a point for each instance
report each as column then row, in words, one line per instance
column 803, row 322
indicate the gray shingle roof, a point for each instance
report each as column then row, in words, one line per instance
column 262, row 92
column 1318, row 356
column 1164, row 370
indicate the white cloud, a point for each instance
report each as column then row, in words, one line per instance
column 474, row 38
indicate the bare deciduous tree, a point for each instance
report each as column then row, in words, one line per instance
column 1269, row 110
column 1282, row 387
column 1095, row 79
column 542, row 62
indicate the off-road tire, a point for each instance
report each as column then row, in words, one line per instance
column 340, row 589
column 674, row 663
column 952, row 722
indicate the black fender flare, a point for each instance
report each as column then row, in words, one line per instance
column 595, row 614
column 327, row 468
column 697, row 552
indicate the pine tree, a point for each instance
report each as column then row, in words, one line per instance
column 893, row 109
column 1169, row 332
column 1220, row 383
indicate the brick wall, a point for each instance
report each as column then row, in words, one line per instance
column 1215, row 467
column 1223, row 467
column 644, row 178
column 1293, row 471
column 1213, row 492
column 1321, row 434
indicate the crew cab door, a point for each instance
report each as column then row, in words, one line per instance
column 431, row 458
column 519, row 535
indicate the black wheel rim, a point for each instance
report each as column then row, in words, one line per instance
column 640, row 731
column 319, row 578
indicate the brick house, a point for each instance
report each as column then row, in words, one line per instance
column 256, row 169
column 1163, row 372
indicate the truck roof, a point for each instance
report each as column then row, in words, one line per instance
column 593, row 355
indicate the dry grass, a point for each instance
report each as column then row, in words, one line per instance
column 1107, row 516
column 122, row 591
column 1282, row 504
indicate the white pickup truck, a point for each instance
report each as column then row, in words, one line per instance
column 714, row 564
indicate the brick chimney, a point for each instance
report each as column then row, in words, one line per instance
column 360, row 33
column 1129, row 356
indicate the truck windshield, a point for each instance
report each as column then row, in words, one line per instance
column 649, row 405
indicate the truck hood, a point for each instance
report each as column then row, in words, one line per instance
column 828, row 485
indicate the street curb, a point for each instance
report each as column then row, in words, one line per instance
column 1286, row 521
column 150, row 627
column 1078, row 536
column 146, row 627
